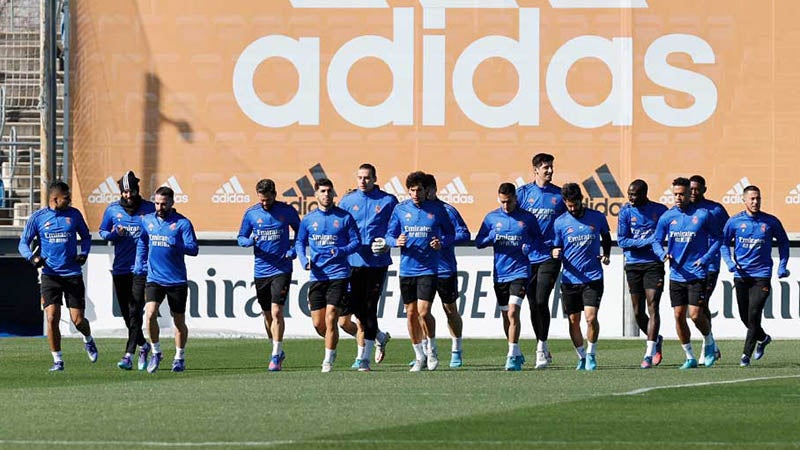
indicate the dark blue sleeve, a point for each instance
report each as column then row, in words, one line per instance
column 301, row 244
column 484, row 237
column 354, row 238
column 460, row 227
column 245, row 239
column 83, row 232
column 190, row 246
column 727, row 240
column 142, row 249
column 393, row 231
column 107, row 229
column 658, row 237
column 30, row 232
column 447, row 238
column 783, row 244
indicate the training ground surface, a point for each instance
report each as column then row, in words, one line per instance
column 227, row 399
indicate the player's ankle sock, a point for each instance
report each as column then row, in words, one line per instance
column 419, row 352
column 431, row 344
column 513, row 349
column 581, row 352
column 708, row 339
column 179, row 353
column 380, row 336
column 591, row 348
column 56, row 356
column 128, row 355
column 277, row 347
column 651, row 349
column 360, row 353
column 87, row 339
column 366, row 352
column 330, row 355
column 456, row 346
column 687, row 349
column 156, row 347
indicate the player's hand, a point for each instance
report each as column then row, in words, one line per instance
column 783, row 273
column 698, row 263
column 733, row 268
column 334, row 251
column 379, row 246
column 80, row 259
column 402, row 240
column 667, row 257
column 556, row 253
column 308, row 266
column 436, row 244
column 604, row 259
column 526, row 248
column 37, row 261
column 121, row 231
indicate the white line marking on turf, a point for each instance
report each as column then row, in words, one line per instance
column 705, row 383
column 150, row 443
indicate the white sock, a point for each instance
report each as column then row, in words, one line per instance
column 330, row 355
column 87, row 339
column 651, row 349
column 179, row 353
column 128, row 355
column 687, row 348
column 57, row 356
column 591, row 348
column 156, row 347
column 581, row 352
column 380, row 336
column 709, row 339
column 425, row 345
column 456, row 346
column 360, row 353
column 419, row 351
column 431, row 345
column 513, row 349
column 366, row 352
column 277, row 348
column 541, row 346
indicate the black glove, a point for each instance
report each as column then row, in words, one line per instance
column 80, row 259
column 37, row 261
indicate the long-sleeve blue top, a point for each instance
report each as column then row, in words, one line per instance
column 691, row 236
column 162, row 245
column 512, row 235
column 719, row 216
column 371, row 211
column 331, row 236
column 267, row 231
column 580, row 241
column 546, row 204
column 420, row 224
column 635, row 230
column 751, row 237
column 116, row 216
column 447, row 260
column 58, row 233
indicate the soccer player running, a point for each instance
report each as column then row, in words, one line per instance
column 122, row 225
column 692, row 240
column 751, row 233
column 167, row 236
column 265, row 227
column 371, row 209
column 543, row 199
column 331, row 235
column 421, row 229
column 697, row 191
column 57, row 228
column 577, row 240
column 447, row 282
column 512, row 232
column 643, row 269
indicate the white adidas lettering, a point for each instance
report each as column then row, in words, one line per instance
column 794, row 196
column 173, row 184
column 230, row 192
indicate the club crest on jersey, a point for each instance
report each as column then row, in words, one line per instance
column 259, row 221
column 694, row 219
column 674, row 222
column 430, row 216
column 356, row 208
column 150, row 226
column 47, row 224
column 499, row 225
column 763, row 228
column 743, row 226
column 119, row 215
column 377, row 208
column 591, row 227
column 408, row 216
column 570, row 230
column 336, row 223
column 521, row 224
column 315, row 225
column 172, row 226
column 553, row 200
column 634, row 219
column 69, row 221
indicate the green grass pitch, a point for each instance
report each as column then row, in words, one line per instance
column 227, row 399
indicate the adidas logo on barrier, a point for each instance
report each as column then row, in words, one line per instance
column 230, row 192
column 107, row 192
column 794, row 196
column 305, row 191
column 456, row 193
column 599, row 201
column 172, row 183
column 734, row 194
column 667, row 198
column 395, row 187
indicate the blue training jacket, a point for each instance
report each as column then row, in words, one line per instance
column 751, row 238
column 331, row 236
column 420, row 224
column 691, row 236
column 58, row 233
column 719, row 216
column 371, row 212
column 448, row 266
column 579, row 238
column 546, row 204
column 267, row 231
column 162, row 246
column 124, row 245
column 635, row 230
column 512, row 236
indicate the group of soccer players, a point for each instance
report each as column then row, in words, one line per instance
column 538, row 233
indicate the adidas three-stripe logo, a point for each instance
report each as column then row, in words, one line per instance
column 794, row 196
column 734, row 194
column 305, row 186
column 395, row 187
column 456, row 193
column 230, row 192
column 607, row 180
column 173, row 184
column 106, row 192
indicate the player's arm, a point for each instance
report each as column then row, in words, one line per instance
column 142, row 250
column 190, row 245
column 393, row 230
column 461, row 231
column 624, row 236
column 658, row 238
column 715, row 235
column 448, row 231
column 558, row 243
column 24, row 247
column 353, row 236
column 107, row 229
column 300, row 246
column 86, row 238
column 728, row 233
column 783, row 248
column 485, row 236
column 245, row 237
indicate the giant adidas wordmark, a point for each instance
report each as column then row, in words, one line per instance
column 399, row 53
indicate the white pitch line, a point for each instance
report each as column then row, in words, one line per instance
column 705, row 383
